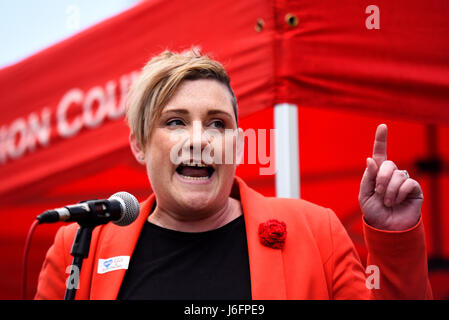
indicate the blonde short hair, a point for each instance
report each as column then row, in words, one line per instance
column 158, row 82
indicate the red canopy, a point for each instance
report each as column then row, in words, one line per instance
column 63, row 138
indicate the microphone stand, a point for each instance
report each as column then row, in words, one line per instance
column 80, row 251
column 80, row 247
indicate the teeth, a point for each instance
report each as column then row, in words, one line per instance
column 194, row 178
column 200, row 165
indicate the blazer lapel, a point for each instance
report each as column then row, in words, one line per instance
column 116, row 242
column 266, row 264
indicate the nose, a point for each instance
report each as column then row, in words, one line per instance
column 197, row 137
column 198, row 141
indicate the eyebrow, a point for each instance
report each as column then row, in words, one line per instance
column 183, row 111
column 210, row 112
column 213, row 112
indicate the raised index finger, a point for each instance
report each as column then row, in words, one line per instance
column 380, row 145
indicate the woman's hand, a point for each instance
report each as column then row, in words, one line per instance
column 389, row 198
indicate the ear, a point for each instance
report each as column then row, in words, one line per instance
column 137, row 151
column 240, row 148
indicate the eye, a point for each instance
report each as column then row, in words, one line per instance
column 174, row 122
column 219, row 124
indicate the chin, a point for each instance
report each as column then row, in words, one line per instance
column 198, row 201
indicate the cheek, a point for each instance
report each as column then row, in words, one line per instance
column 157, row 156
column 223, row 148
column 226, row 152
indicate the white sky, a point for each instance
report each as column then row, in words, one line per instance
column 28, row 26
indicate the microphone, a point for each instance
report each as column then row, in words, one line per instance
column 122, row 208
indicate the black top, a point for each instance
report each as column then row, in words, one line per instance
column 173, row 265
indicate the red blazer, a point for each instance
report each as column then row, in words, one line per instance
column 318, row 260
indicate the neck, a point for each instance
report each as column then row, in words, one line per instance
column 170, row 220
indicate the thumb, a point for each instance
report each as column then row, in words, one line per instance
column 368, row 183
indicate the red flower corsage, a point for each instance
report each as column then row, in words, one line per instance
column 273, row 233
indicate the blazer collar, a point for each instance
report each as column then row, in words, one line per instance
column 266, row 264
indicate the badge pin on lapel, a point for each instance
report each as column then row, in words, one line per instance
column 112, row 264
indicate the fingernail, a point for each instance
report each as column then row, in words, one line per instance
column 388, row 202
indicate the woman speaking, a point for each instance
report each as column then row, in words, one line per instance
column 204, row 234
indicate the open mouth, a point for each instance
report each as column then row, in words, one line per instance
column 195, row 171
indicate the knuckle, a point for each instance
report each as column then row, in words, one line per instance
column 416, row 183
column 400, row 173
column 384, row 175
column 387, row 167
column 391, row 164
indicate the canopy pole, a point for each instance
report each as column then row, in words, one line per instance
column 286, row 150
